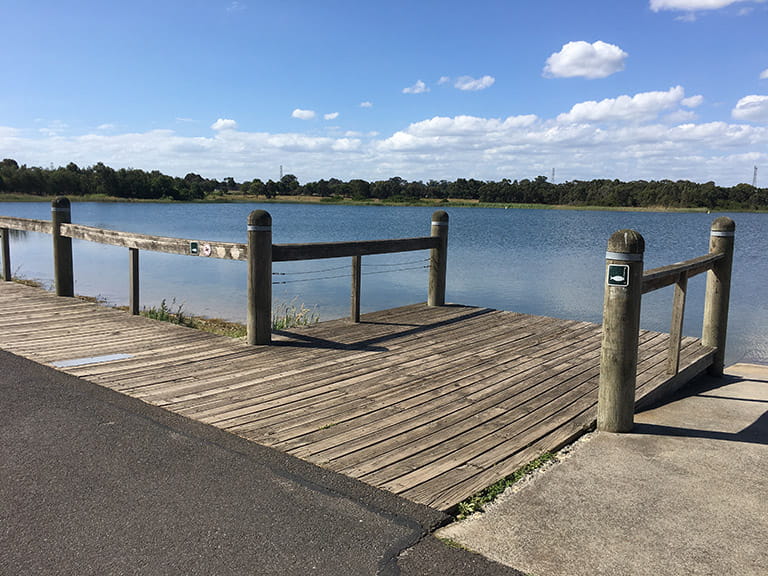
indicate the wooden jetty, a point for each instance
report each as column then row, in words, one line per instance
column 433, row 403
column 430, row 402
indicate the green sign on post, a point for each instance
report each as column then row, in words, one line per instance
column 194, row 248
column 618, row 275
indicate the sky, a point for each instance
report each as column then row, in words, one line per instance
column 420, row 89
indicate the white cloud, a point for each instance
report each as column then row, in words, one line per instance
column 638, row 108
column 444, row 80
column 582, row 59
column 418, row 88
column 303, row 114
column 224, row 124
column 366, row 104
column 764, row 74
column 236, row 6
column 331, row 116
column 651, row 135
column 105, row 127
column 752, row 108
column 693, row 5
column 693, row 101
column 474, row 84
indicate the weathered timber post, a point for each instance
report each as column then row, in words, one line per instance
column 676, row 326
column 259, row 321
column 5, row 237
column 356, row 282
column 721, row 240
column 438, row 260
column 133, row 280
column 621, row 329
column 63, row 276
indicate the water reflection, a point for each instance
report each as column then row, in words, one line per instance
column 17, row 234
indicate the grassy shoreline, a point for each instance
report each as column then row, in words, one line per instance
column 450, row 203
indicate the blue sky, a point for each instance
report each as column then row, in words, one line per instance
column 424, row 90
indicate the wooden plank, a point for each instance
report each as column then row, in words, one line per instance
column 470, row 383
column 493, row 396
column 478, row 440
column 456, row 485
column 401, row 368
column 419, row 450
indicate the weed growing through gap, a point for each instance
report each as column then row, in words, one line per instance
column 476, row 502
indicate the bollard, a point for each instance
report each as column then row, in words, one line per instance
column 438, row 260
column 259, row 321
column 63, row 276
column 715, row 328
column 621, row 329
column 5, row 237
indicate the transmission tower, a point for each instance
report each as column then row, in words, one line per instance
column 754, row 178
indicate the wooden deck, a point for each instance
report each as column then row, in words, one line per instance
column 433, row 404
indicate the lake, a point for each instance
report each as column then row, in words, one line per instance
column 547, row 262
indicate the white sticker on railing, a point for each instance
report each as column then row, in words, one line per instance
column 91, row 360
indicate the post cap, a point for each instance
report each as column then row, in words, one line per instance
column 61, row 203
column 723, row 224
column 440, row 216
column 259, row 218
column 626, row 242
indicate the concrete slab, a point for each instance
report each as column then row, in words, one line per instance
column 685, row 493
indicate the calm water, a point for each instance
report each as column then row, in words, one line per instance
column 547, row 262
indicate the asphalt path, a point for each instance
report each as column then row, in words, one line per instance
column 94, row 482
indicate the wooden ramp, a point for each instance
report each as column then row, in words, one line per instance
column 433, row 404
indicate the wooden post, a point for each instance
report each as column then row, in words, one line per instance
column 438, row 260
column 676, row 328
column 259, row 322
column 133, row 278
column 63, row 276
column 721, row 240
column 356, row 282
column 621, row 329
column 5, row 236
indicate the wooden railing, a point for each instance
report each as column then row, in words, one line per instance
column 625, row 284
column 259, row 252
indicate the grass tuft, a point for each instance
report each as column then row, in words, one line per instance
column 166, row 313
column 284, row 316
column 291, row 315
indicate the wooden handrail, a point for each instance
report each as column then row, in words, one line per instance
column 182, row 246
column 316, row 251
column 27, row 224
column 223, row 250
column 258, row 252
column 668, row 275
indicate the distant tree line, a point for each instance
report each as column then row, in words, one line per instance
column 130, row 183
